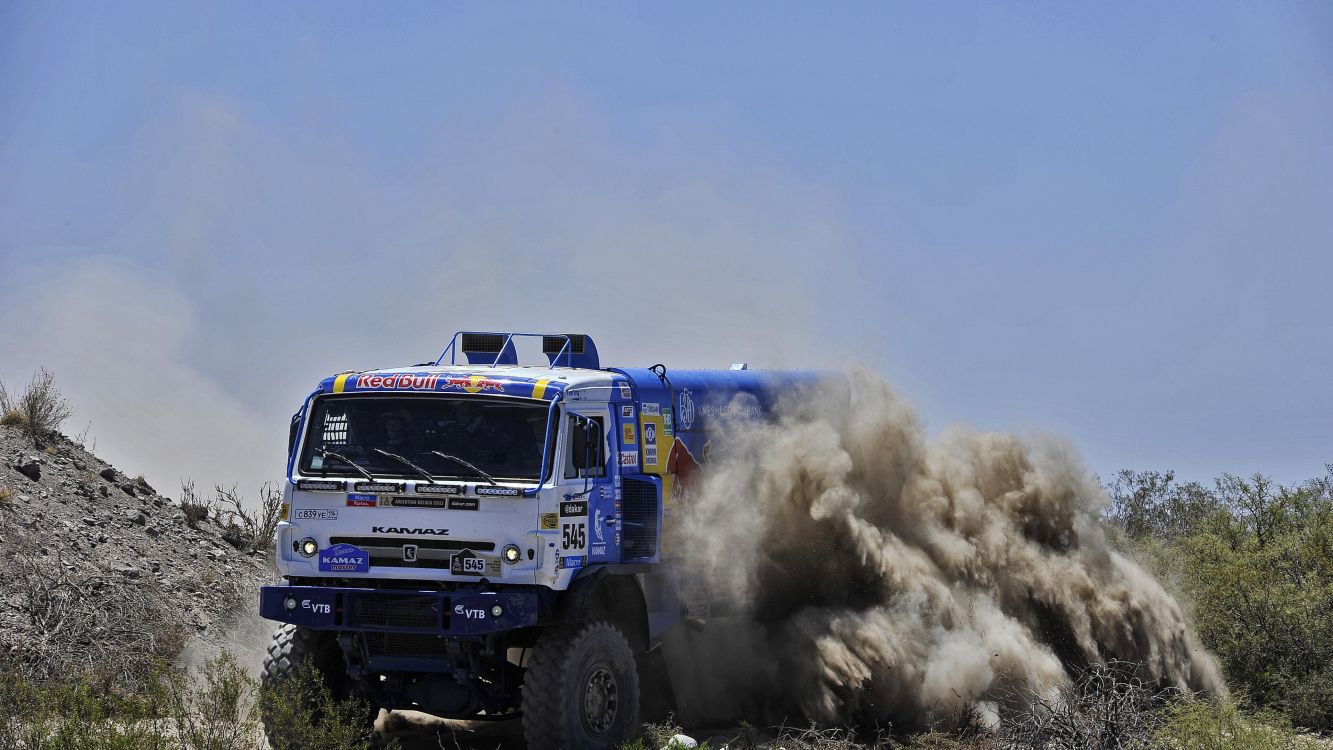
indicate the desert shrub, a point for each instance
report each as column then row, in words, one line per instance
column 250, row 530
column 40, row 410
column 6, row 494
column 1104, row 706
column 216, row 710
column 305, row 715
column 1191, row 724
column 75, row 715
column 196, row 509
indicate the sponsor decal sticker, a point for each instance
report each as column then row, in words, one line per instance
column 344, row 558
column 629, row 458
column 625, row 391
column 466, row 563
column 398, row 381
column 464, row 503
column 407, row 501
column 470, row 613
column 439, row 489
column 627, row 411
column 285, row 513
column 667, row 428
column 375, row 487
column 572, row 561
column 597, row 526
column 629, row 433
column 574, row 508
column 473, row 384
column 650, row 434
column 320, row 485
column 650, row 410
column 599, row 549
column 316, row 514
column 362, row 501
column 650, row 455
column 550, row 521
column 498, row 491
column 686, row 410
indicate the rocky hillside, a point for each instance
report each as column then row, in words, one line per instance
column 104, row 574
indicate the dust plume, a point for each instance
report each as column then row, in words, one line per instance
column 886, row 577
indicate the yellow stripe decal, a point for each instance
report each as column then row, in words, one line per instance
column 539, row 390
column 340, row 382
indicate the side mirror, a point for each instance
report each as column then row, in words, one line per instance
column 291, row 432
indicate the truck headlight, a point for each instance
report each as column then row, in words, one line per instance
column 308, row 547
column 512, row 553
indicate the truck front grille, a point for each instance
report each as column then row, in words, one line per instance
column 405, row 645
column 374, row 610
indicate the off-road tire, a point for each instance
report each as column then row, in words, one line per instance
column 576, row 673
column 293, row 646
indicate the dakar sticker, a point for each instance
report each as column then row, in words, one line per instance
column 574, row 508
column 464, row 503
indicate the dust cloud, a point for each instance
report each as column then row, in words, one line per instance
column 884, row 577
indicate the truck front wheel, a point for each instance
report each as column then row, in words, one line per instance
column 581, row 689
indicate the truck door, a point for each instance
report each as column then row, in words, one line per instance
column 586, row 481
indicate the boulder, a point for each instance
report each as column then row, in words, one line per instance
column 29, row 467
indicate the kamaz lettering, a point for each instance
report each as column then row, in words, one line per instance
column 519, row 458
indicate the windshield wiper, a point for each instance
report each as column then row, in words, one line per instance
column 408, row 464
column 460, row 461
column 330, row 454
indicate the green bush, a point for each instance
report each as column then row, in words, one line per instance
column 303, row 714
column 1203, row 725
column 1255, row 561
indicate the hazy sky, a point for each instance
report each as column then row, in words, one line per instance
column 1112, row 222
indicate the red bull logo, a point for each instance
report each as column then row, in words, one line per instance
column 474, row 384
column 402, row 380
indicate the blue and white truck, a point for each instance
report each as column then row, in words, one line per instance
column 480, row 538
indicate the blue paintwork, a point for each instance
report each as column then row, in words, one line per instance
column 463, row 612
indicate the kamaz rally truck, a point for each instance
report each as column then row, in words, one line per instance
column 475, row 538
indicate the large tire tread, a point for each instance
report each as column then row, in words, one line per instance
column 548, row 688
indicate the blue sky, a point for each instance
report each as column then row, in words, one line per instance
column 1108, row 223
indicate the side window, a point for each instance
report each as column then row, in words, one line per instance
column 586, row 455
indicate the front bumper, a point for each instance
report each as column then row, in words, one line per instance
column 449, row 613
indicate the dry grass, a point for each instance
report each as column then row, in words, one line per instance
column 103, row 627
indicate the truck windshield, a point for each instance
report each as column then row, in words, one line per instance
column 501, row 437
